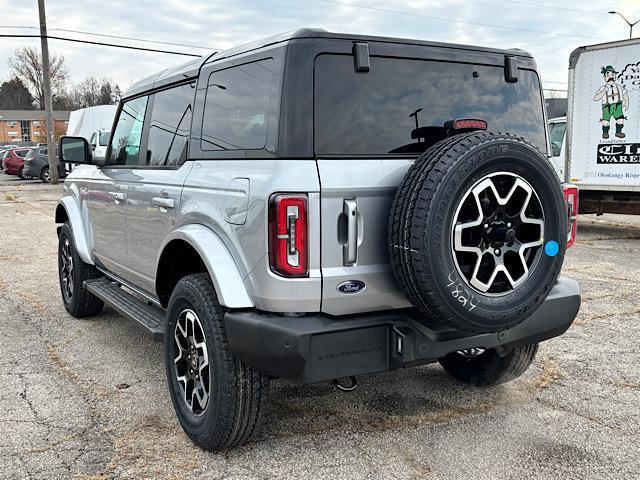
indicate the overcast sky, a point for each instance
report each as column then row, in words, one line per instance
column 548, row 29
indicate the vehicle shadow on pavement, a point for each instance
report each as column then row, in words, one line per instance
column 403, row 398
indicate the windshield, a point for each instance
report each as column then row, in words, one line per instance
column 401, row 105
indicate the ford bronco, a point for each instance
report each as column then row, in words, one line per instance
column 318, row 206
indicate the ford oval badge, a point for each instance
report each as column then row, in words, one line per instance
column 351, row 286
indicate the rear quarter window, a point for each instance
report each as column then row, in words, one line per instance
column 236, row 107
column 401, row 105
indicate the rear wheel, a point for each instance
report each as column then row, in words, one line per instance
column 486, row 367
column 45, row 175
column 21, row 173
column 218, row 399
column 72, row 272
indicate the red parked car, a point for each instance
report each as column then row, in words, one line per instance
column 13, row 161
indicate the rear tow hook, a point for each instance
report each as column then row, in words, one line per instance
column 346, row 384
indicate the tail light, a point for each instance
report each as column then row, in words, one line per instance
column 288, row 245
column 571, row 200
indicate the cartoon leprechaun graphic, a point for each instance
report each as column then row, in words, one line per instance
column 615, row 100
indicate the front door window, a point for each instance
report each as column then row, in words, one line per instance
column 125, row 145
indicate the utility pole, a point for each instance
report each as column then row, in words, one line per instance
column 48, row 102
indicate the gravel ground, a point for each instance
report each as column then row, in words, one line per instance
column 87, row 398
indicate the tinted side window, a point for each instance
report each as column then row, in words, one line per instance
column 21, row 153
column 125, row 146
column 170, row 125
column 236, row 107
column 401, row 105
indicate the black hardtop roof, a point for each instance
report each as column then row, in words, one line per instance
column 191, row 68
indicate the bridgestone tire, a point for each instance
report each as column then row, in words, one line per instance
column 81, row 303
column 238, row 393
column 490, row 368
column 423, row 217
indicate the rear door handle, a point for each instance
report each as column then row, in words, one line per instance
column 163, row 202
column 350, row 249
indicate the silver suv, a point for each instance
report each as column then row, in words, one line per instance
column 318, row 206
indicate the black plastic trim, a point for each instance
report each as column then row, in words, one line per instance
column 317, row 348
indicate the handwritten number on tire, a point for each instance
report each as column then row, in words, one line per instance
column 459, row 292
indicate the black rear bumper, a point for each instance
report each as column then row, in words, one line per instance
column 317, row 348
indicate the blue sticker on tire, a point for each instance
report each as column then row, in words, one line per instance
column 551, row 248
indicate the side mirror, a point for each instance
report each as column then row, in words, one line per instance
column 74, row 150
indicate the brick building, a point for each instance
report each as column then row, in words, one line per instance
column 24, row 126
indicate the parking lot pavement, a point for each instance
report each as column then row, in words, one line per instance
column 11, row 180
column 87, row 398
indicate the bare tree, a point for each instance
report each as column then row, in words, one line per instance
column 26, row 64
column 86, row 93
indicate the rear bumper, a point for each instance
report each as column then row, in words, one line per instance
column 11, row 169
column 317, row 348
column 31, row 170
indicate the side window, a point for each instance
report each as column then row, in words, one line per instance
column 170, row 126
column 103, row 138
column 556, row 136
column 125, row 146
column 21, row 153
column 236, row 107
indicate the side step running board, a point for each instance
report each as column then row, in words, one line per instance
column 150, row 317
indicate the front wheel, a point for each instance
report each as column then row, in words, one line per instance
column 72, row 272
column 486, row 367
column 218, row 399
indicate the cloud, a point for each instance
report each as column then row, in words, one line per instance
column 226, row 23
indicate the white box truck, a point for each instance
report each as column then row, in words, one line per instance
column 602, row 153
column 94, row 124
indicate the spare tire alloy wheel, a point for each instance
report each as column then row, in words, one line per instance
column 504, row 235
column 192, row 362
column 477, row 232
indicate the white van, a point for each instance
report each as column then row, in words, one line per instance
column 99, row 141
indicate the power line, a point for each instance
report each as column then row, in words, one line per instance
column 453, row 20
column 111, row 36
column 553, row 7
column 102, row 44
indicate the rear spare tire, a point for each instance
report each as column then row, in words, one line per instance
column 478, row 230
